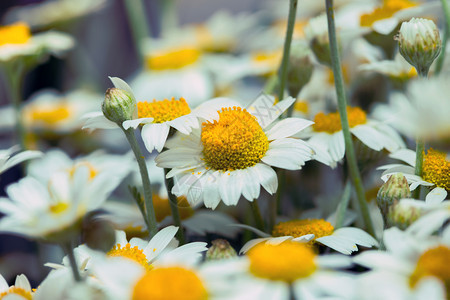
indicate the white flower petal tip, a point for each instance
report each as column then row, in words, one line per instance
column 436, row 196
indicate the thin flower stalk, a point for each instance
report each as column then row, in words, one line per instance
column 173, row 201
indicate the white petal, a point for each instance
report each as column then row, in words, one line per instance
column 121, row 84
column 20, row 157
column 267, row 177
column 155, row 136
column 436, row 196
column 230, row 187
column 336, row 146
column 359, row 236
column 406, row 155
column 96, row 120
column 368, row 135
column 287, row 128
column 341, row 245
column 252, row 243
column 159, row 242
column 385, row 26
column 136, row 122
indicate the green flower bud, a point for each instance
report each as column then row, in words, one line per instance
column 404, row 213
column 220, row 249
column 390, row 193
column 317, row 34
column 419, row 43
column 98, row 233
column 300, row 69
column 119, row 106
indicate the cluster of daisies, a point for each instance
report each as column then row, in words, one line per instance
column 199, row 177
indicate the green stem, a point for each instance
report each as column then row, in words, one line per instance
column 343, row 204
column 282, row 73
column 441, row 58
column 446, row 10
column 271, row 84
column 68, row 249
column 420, row 147
column 257, row 215
column 140, row 28
column 151, row 218
column 173, row 201
column 169, row 19
column 342, row 106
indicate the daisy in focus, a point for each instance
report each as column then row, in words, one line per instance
column 312, row 232
column 52, row 211
column 412, row 267
column 233, row 152
column 287, row 271
column 9, row 160
column 21, row 290
column 435, row 172
column 156, row 117
column 327, row 133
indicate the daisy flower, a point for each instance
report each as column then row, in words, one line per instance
column 9, row 160
column 51, row 210
column 156, row 118
column 327, row 133
column 411, row 267
column 435, row 172
column 233, row 152
column 16, row 41
column 313, row 231
column 287, row 271
column 21, row 290
column 398, row 69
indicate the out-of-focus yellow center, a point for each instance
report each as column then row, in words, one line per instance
column 58, row 207
column 172, row 59
column 18, row 292
column 434, row 262
column 92, row 170
column 269, row 60
column 299, row 28
column 171, row 283
column 162, row 208
column 210, row 43
column 301, row 106
column 345, row 74
column 405, row 76
column 163, row 110
column 133, row 253
column 387, row 10
column 49, row 115
column 436, row 169
column 234, row 142
column 287, row 261
column 298, row 228
column 331, row 122
column 17, row 33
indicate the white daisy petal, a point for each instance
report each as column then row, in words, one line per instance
column 436, row 196
column 267, row 177
column 287, row 128
column 159, row 242
column 336, row 146
column 155, row 136
column 368, row 135
column 341, row 245
column 252, row 243
column 136, row 122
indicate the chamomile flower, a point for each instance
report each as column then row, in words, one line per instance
column 313, row 231
column 435, row 172
column 16, row 41
column 411, row 268
column 233, row 152
column 50, row 211
column 398, row 69
column 156, row 118
column 287, row 271
column 9, row 160
column 21, row 290
column 327, row 133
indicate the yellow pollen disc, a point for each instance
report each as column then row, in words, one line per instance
column 434, row 262
column 171, row 283
column 287, row 261
column 301, row 106
column 58, row 207
column 331, row 122
column 133, row 253
column 234, row 142
column 14, row 290
column 387, row 10
column 162, row 208
column 172, row 59
column 436, row 169
column 270, row 60
column 163, row 110
column 48, row 115
column 345, row 74
column 298, row 228
column 17, row 33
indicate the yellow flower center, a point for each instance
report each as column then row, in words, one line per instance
column 287, row 261
column 92, row 170
column 433, row 262
column 436, row 169
column 270, row 60
column 387, row 10
column 236, row 141
column 208, row 42
column 162, row 208
column 301, row 106
column 58, row 207
column 298, row 228
column 163, row 110
column 171, row 283
column 17, row 33
column 48, row 115
column 14, row 290
column 133, row 253
column 172, row 59
column 331, row 122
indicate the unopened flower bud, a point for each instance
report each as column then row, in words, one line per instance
column 98, row 233
column 404, row 213
column 419, row 43
column 300, row 69
column 394, row 189
column 220, row 249
column 317, row 34
column 118, row 106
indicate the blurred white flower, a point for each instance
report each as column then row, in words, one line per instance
column 9, row 160
column 21, row 290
